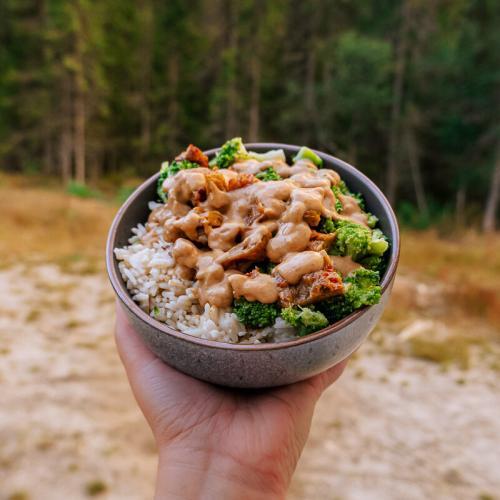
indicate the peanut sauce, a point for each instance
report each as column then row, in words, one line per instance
column 223, row 222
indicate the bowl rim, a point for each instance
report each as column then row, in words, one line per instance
column 120, row 289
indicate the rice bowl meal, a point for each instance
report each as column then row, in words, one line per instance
column 253, row 247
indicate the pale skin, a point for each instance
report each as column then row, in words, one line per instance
column 214, row 442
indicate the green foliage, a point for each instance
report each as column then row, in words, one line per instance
column 123, row 193
column 255, row 314
column 304, row 319
column 230, row 152
column 81, row 190
column 361, row 289
column 144, row 81
column 268, row 175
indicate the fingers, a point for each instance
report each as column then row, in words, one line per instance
column 131, row 348
column 328, row 377
column 160, row 390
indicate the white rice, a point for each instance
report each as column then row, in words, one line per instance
column 154, row 282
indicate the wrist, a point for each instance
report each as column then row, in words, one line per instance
column 190, row 472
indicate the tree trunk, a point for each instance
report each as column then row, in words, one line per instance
column 397, row 99
column 65, row 140
column 145, row 51
column 231, row 90
column 173, row 106
column 255, row 70
column 460, row 207
column 489, row 218
column 79, row 135
column 79, row 102
column 310, row 96
column 416, row 172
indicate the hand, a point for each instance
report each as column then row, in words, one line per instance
column 215, row 442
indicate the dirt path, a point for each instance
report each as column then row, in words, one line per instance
column 392, row 428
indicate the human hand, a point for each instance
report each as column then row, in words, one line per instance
column 215, row 442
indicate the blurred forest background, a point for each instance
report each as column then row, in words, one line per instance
column 406, row 90
column 95, row 94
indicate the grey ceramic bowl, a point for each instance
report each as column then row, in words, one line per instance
column 261, row 365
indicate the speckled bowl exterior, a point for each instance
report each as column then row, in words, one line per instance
column 256, row 365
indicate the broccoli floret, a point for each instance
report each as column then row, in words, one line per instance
column 336, row 308
column 378, row 244
column 267, row 267
column 305, row 320
column 362, row 288
column 358, row 241
column 269, row 174
column 352, row 239
column 338, row 204
column 373, row 262
column 255, row 314
column 326, row 226
column 372, row 220
column 359, row 198
column 272, row 155
column 308, row 154
column 159, row 185
column 342, row 188
column 168, row 170
column 230, row 152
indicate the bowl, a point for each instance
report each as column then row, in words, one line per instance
column 256, row 365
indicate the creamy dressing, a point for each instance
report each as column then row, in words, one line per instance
column 296, row 265
column 344, row 265
column 224, row 222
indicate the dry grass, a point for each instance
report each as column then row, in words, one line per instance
column 467, row 265
column 41, row 223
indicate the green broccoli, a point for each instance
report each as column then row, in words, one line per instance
column 159, row 184
column 378, row 244
column 168, row 170
column 373, row 262
column 342, row 188
column 362, row 288
column 308, row 154
column 304, row 319
column 272, row 155
column 326, row 225
column 372, row 220
column 269, row 174
column 255, row 314
column 359, row 198
column 230, row 152
column 352, row 239
column 266, row 267
column 338, row 204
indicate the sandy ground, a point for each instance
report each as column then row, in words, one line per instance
column 392, row 428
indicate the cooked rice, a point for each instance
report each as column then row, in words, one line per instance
column 154, row 282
